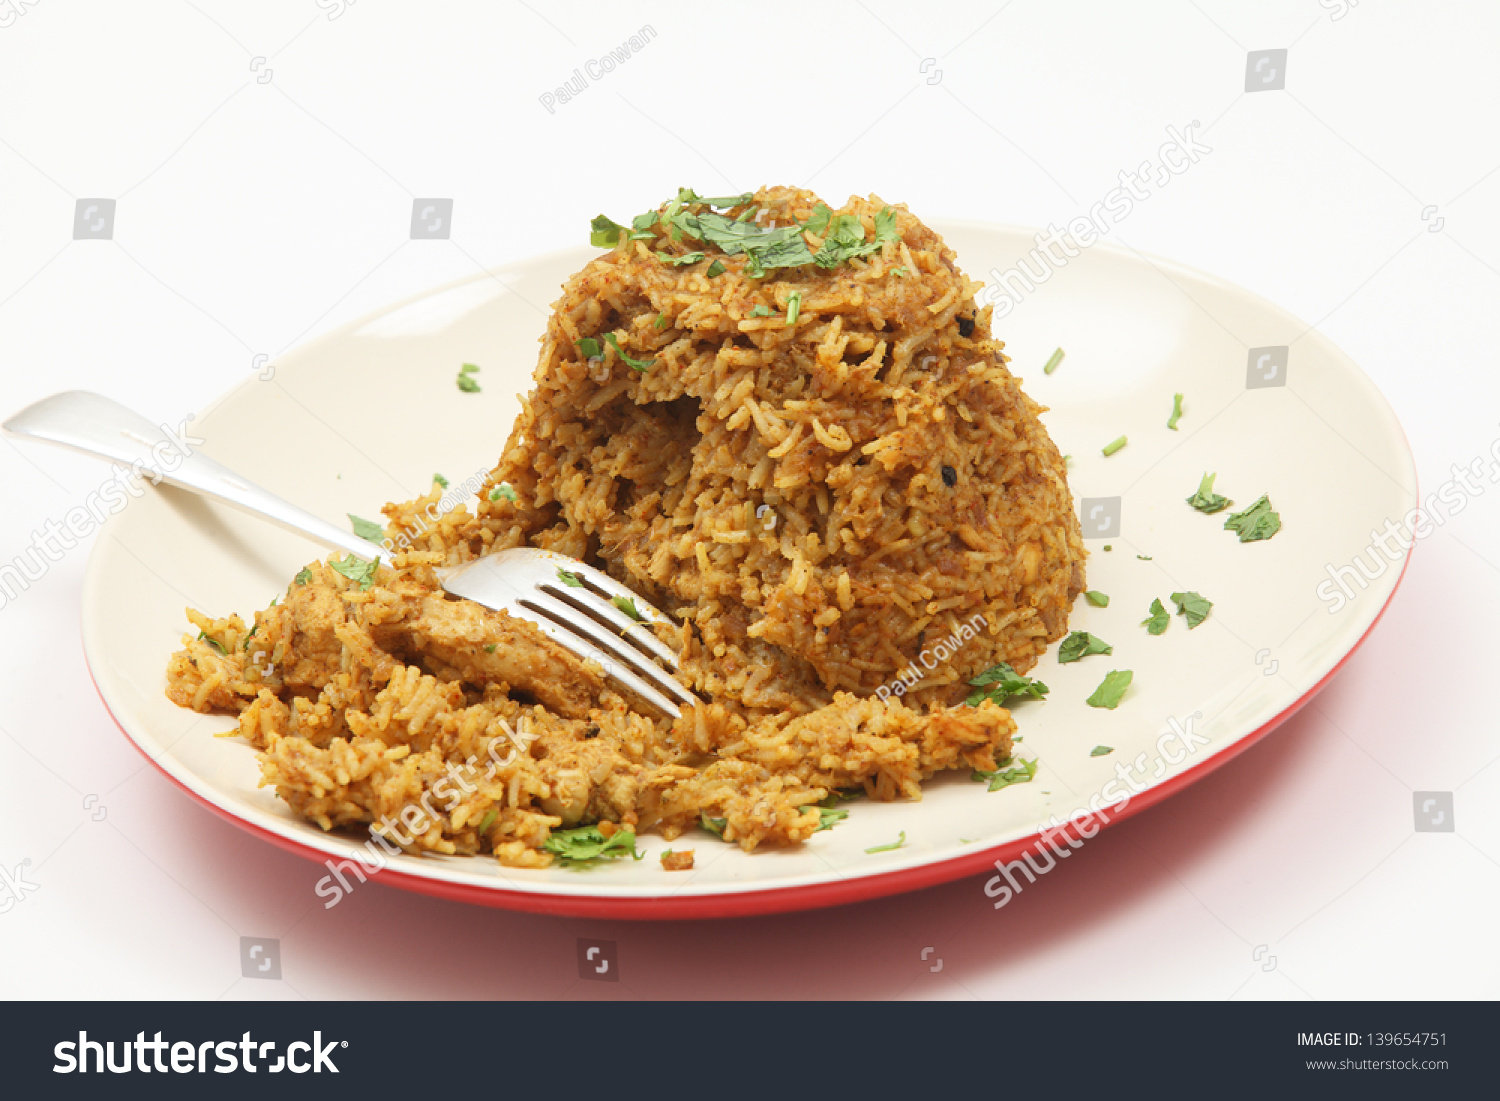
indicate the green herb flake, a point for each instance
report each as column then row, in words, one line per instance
column 762, row 311
column 605, row 232
column 716, row 268
column 845, row 239
column 570, row 579
column 902, row 272
column 1000, row 682
column 466, row 381
column 1206, row 500
column 828, row 817
column 1142, row 557
column 680, row 261
column 304, row 575
column 1109, row 546
column 366, row 529
column 1256, row 522
column 661, row 321
column 819, row 220
column 637, row 364
column 1193, row 606
column 1176, row 412
column 1079, row 645
column 1052, row 361
column 585, row 845
column 1101, row 751
column 1114, row 445
column 1112, row 690
column 896, row 844
column 440, row 480
column 490, row 648
column 215, row 643
column 626, row 604
column 1004, row 778
column 1096, row 598
column 1157, row 622
column 714, row 826
column 489, row 820
column 793, row 307
column 360, row 572
column 503, row 492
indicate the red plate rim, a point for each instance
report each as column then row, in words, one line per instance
column 771, row 900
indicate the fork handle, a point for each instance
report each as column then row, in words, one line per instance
column 97, row 425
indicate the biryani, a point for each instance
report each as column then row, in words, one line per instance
column 790, row 429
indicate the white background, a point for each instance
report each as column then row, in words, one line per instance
column 254, row 212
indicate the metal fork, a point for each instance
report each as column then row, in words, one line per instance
column 586, row 619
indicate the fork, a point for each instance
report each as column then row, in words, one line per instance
column 586, row 619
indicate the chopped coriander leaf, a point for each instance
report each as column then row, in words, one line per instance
column 468, row 369
column 248, row 636
column 466, row 382
column 366, row 529
column 840, row 795
column 304, row 575
column 1109, row 546
column 440, row 480
column 503, row 492
column 490, row 649
column 1176, row 412
column 637, row 364
column 1206, row 500
column 716, row 268
column 845, row 239
column 999, row 682
column 1114, row 445
column 661, row 320
column 361, row 573
column 1112, row 690
column 604, row 233
column 762, row 311
column 215, row 643
column 793, row 307
column 714, row 826
column 896, row 844
column 1096, row 598
column 819, row 220
column 1256, row 522
column 590, row 348
column 1145, row 558
column 1157, row 622
column 1004, row 778
column 570, row 579
column 585, row 844
column 644, row 221
column 489, row 820
column 1193, row 606
column 903, row 271
column 1068, row 461
column 1101, row 751
column 680, row 261
column 626, row 604
column 724, row 202
column 1052, row 361
column 828, row 817
column 1079, row 645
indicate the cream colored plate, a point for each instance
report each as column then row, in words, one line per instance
column 367, row 414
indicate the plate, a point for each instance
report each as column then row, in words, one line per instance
column 348, row 422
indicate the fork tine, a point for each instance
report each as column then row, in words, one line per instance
column 632, row 630
column 614, row 669
column 616, row 649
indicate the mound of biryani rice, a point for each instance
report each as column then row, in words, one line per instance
column 790, row 429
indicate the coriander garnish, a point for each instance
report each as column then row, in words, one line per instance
column 1114, row 445
column 360, row 572
column 366, row 529
column 1193, row 606
column 1256, row 522
column 604, row 232
column 1079, row 645
column 637, row 364
column 503, row 492
column 570, row 579
column 793, row 307
column 1096, row 598
column 896, row 844
column 584, row 845
column 466, row 381
column 1176, row 412
column 1112, row 690
column 1206, row 500
column 215, row 643
column 440, row 480
column 716, row 268
column 1101, row 750
column 1052, row 361
column 1004, row 778
column 999, row 682
column 626, row 604
column 1157, row 622
column 304, row 575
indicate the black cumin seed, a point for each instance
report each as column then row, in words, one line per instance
column 950, row 477
column 965, row 327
